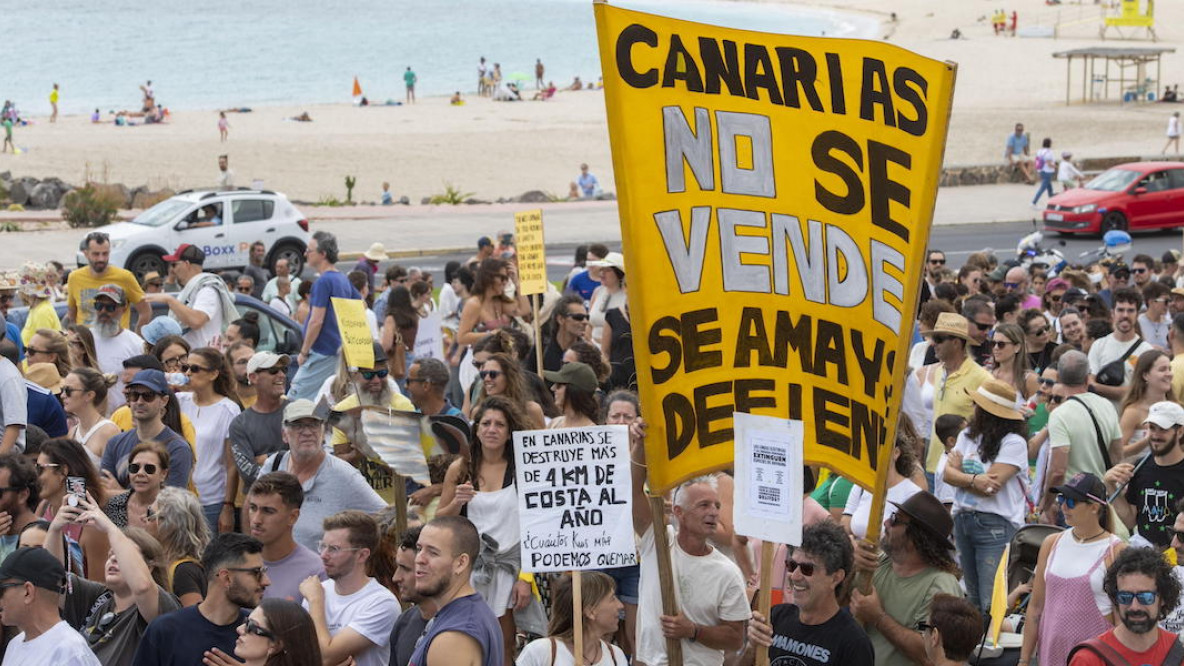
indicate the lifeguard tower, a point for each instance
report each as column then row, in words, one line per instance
column 1131, row 15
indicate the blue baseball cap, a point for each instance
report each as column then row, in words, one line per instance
column 159, row 328
column 152, row 379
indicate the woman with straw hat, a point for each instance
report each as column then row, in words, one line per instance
column 38, row 295
column 985, row 468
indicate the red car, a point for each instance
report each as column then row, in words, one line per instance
column 1131, row 197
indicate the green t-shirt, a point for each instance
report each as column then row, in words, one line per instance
column 833, row 492
column 906, row 600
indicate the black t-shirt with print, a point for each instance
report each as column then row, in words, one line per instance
column 1153, row 492
column 839, row 641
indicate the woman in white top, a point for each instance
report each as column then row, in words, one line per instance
column 1150, row 383
column 905, row 479
column 610, row 294
column 211, row 404
column 84, row 396
column 600, row 608
column 985, row 466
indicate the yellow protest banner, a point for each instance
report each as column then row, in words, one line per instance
column 776, row 195
column 356, row 342
column 532, row 259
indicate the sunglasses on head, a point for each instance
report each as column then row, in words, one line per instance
column 148, row 468
column 139, row 396
column 806, row 568
column 371, row 374
column 490, row 374
column 1146, row 597
column 105, row 307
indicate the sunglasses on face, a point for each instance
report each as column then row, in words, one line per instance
column 1146, row 597
column 148, row 468
column 273, row 370
column 1067, row 502
column 982, row 327
column 31, row 350
column 1047, row 382
column 171, row 362
column 105, row 307
column 138, row 396
column 252, row 627
column 938, row 339
column 1138, row 271
column 1056, row 399
column 490, row 374
column 806, row 568
column 937, row 262
column 1039, row 331
column 1000, row 344
column 1055, row 298
column 255, row 572
column 578, row 316
column 371, row 374
column 192, row 369
column 1179, row 535
column 1011, row 285
column 68, row 391
column 244, row 290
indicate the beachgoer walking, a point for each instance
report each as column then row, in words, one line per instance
column 482, row 78
column 1046, row 166
column 7, row 121
column 1068, row 174
column 53, row 102
column 538, row 73
column 1173, row 133
column 223, row 126
column 409, row 78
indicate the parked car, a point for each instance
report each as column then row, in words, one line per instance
column 277, row 332
column 222, row 223
column 1128, row 197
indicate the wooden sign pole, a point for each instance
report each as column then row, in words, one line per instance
column 577, row 614
column 538, row 334
column 400, row 501
column 764, row 594
column 665, row 575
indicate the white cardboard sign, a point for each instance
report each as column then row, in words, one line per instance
column 768, row 465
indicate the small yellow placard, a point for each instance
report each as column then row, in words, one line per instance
column 532, row 259
column 356, row 341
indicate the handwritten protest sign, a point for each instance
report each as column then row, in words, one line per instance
column 574, row 498
column 532, row 258
column 429, row 337
column 356, row 341
column 768, row 496
column 776, row 193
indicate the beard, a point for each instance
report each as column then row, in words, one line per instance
column 432, row 588
column 368, row 399
column 239, row 595
column 107, row 329
column 1138, row 622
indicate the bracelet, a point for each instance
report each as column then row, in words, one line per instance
column 972, row 478
column 225, row 503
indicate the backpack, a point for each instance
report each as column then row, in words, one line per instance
column 1039, row 161
column 1111, row 657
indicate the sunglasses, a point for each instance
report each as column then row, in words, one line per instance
column 70, row 390
column 244, row 290
column 1177, row 533
column 135, row 468
column 490, row 374
column 171, row 362
column 1138, row 271
column 1011, row 285
column 31, row 350
column 806, row 568
column 252, row 627
column 256, row 572
column 1044, row 381
column 1040, row 331
column 1067, row 502
column 1056, row 399
column 139, row 396
column 578, row 316
column 105, row 307
column 371, row 374
column 1000, row 344
column 188, row 369
column 1055, row 298
column 273, row 370
column 937, row 262
column 1146, row 597
column 982, row 327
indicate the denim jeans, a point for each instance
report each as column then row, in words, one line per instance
column 212, row 512
column 312, row 375
column 1045, row 185
column 981, row 538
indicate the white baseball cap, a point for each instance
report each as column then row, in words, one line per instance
column 1165, row 414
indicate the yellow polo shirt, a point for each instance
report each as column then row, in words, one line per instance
column 1178, row 376
column 950, row 396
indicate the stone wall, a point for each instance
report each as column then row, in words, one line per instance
column 997, row 174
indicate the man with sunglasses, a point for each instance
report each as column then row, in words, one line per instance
column 953, row 631
column 979, row 311
column 83, row 284
column 1154, row 322
column 1016, row 282
column 373, row 388
column 147, row 396
column 235, row 581
column 31, row 581
column 114, row 344
column 1151, row 488
column 331, row 485
column 257, row 431
column 19, row 493
column 571, row 324
column 815, row 629
column 1144, row 590
column 958, row 377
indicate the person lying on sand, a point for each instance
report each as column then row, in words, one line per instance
column 302, row 118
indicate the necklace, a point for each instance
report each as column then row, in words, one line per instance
column 1073, row 533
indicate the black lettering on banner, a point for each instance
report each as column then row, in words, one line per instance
column 885, row 190
column 635, row 34
column 822, row 151
column 680, row 66
column 758, row 73
column 721, row 66
column 834, row 67
column 911, row 87
column 876, row 92
column 799, row 70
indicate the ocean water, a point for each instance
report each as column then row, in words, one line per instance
column 207, row 54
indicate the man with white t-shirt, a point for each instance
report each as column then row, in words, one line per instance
column 31, row 581
column 709, row 588
column 114, row 344
column 353, row 614
column 203, row 307
column 1124, row 344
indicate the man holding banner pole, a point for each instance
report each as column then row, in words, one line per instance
column 709, row 587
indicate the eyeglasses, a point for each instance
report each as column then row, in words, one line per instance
column 31, row 350
column 1067, row 502
column 139, row 396
column 135, row 468
column 1040, row 331
column 192, row 369
column 171, row 362
column 273, row 370
column 252, row 627
column 256, row 572
column 807, row 568
column 1146, row 597
column 937, row 262
column 309, row 426
column 44, row 466
column 490, row 374
column 105, row 307
column 981, row 326
column 323, row 547
column 1000, row 344
column 371, row 374
column 577, row 316
column 70, row 390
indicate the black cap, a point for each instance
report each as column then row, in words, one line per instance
column 1119, row 267
column 484, row 241
column 36, row 566
column 1083, row 486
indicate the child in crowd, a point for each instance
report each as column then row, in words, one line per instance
column 1069, row 175
column 946, row 427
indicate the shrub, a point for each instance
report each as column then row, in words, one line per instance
column 88, row 207
column 452, row 195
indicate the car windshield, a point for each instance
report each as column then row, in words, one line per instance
column 162, row 213
column 1114, row 180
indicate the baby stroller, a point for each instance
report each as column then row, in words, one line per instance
column 1025, row 552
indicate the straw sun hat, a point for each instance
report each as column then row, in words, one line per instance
column 998, row 398
column 950, row 323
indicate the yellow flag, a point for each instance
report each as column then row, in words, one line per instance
column 999, row 597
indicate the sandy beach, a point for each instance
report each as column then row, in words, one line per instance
column 496, row 149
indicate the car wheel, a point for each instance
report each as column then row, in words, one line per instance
column 1113, row 220
column 293, row 253
column 143, row 263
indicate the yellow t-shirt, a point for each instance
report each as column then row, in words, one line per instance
column 82, row 285
column 377, row 474
column 41, row 316
column 1178, row 376
column 951, row 396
